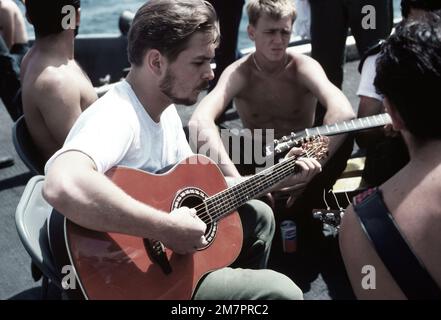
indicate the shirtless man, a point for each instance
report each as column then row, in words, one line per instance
column 12, row 25
column 273, row 88
column 55, row 89
column 13, row 45
column 409, row 78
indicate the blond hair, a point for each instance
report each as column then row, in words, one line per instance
column 275, row 9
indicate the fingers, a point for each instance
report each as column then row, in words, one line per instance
column 294, row 152
column 309, row 165
column 190, row 232
column 189, row 249
column 202, row 242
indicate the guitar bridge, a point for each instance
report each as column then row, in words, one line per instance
column 156, row 251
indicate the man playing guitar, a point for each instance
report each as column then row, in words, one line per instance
column 170, row 46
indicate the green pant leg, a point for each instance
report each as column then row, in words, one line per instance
column 247, row 284
column 258, row 230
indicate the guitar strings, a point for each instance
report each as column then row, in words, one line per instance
column 289, row 163
column 203, row 210
column 215, row 200
column 289, row 166
column 226, row 209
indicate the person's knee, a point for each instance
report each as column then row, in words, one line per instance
column 247, row 284
column 280, row 287
column 264, row 220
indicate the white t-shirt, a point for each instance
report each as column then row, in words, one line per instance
column 368, row 73
column 116, row 130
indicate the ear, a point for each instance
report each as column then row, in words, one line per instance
column 251, row 32
column 397, row 121
column 154, row 61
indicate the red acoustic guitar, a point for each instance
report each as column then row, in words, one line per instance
column 118, row 266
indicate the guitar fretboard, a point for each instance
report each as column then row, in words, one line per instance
column 230, row 199
column 349, row 126
column 287, row 142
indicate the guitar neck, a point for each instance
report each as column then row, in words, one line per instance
column 232, row 198
column 349, row 126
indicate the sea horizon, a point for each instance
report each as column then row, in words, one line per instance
column 102, row 16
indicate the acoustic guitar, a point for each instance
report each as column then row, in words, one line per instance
column 120, row 266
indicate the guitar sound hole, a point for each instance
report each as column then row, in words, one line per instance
column 193, row 201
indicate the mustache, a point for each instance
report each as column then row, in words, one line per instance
column 204, row 86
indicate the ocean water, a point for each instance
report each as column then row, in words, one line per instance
column 101, row 16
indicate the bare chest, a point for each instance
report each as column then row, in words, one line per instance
column 281, row 104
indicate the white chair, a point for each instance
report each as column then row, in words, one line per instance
column 31, row 218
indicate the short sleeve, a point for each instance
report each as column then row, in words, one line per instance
column 368, row 73
column 105, row 139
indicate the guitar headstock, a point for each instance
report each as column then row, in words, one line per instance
column 315, row 146
column 285, row 144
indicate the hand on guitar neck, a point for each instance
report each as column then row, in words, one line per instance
column 308, row 168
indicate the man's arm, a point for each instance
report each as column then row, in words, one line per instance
column 371, row 103
column 7, row 18
column 337, row 105
column 203, row 130
column 368, row 107
column 90, row 199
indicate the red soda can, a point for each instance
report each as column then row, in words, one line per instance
column 289, row 236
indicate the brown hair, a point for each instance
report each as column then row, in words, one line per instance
column 168, row 25
column 276, row 9
column 46, row 16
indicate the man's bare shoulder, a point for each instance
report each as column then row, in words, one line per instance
column 47, row 83
column 8, row 7
column 241, row 67
column 54, row 78
column 301, row 60
column 235, row 77
column 5, row 10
